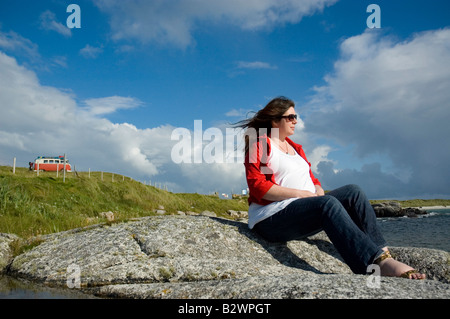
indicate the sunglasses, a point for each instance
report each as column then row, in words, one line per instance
column 290, row 117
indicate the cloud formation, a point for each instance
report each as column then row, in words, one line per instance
column 155, row 21
column 389, row 97
column 385, row 98
column 108, row 105
column 40, row 120
column 255, row 65
column 48, row 21
column 13, row 42
column 90, row 52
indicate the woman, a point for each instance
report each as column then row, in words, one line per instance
column 287, row 202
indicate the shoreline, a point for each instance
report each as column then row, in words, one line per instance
column 431, row 207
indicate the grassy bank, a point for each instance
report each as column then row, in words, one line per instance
column 31, row 205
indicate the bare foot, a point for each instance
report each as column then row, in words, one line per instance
column 393, row 268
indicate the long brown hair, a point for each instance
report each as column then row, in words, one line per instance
column 262, row 121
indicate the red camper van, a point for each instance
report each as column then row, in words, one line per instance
column 50, row 164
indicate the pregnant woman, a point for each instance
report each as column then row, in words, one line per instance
column 287, row 202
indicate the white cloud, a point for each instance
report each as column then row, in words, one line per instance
column 90, row 52
column 255, row 65
column 235, row 113
column 60, row 61
column 240, row 113
column 41, row 120
column 37, row 120
column 220, row 177
column 319, row 154
column 18, row 46
column 390, row 97
column 13, row 42
column 48, row 22
column 108, row 105
column 242, row 66
column 173, row 22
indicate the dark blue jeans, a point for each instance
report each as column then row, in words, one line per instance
column 345, row 215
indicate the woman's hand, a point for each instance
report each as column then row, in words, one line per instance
column 319, row 190
column 305, row 194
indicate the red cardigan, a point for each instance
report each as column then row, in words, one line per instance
column 259, row 177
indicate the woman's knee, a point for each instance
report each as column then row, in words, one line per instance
column 354, row 188
column 333, row 211
column 330, row 203
column 352, row 192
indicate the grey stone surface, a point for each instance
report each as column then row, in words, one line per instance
column 298, row 286
column 205, row 257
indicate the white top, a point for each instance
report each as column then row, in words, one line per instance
column 290, row 171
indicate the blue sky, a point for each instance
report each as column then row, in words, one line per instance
column 374, row 103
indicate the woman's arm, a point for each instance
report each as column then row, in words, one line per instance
column 277, row 193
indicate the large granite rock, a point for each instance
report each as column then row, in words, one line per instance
column 204, row 257
column 395, row 209
column 6, row 254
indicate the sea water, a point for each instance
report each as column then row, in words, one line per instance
column 12, row 288
column 429, row 231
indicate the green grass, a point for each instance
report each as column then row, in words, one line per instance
column 31, row 205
